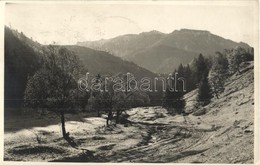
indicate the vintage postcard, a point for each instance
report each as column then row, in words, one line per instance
column 130, row 82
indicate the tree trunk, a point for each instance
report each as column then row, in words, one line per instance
column 109, row 117
column 64, row 134
column 98, row 113
column 107, row 121
column 238, row 70
column 117, row 116
column 216, row 93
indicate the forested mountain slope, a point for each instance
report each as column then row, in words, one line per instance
column 162, row 53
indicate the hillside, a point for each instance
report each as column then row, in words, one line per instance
column 21, row 61
column 160, row 59
column 224, row 133
column 165, row 51
column 104, row 63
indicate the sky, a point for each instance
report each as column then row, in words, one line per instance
column 68, row 23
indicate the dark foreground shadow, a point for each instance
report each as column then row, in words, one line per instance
column 86, row 156
column 71, row 141
column 17, row 121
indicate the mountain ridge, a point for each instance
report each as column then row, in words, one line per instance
column 187, row 42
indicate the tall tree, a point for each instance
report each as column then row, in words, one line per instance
column 181, row 70
column 218, row 73
column 204, row 91
column 53, row 86
column 201, row 68
column 188, row 75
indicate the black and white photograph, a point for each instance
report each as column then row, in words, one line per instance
column 130, row 81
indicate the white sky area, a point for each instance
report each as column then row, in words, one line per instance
column 65, row 23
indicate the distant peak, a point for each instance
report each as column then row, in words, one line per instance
column 152, row 32
column 191, row 31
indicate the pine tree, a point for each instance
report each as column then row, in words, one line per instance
column 181, row 70
column 188, row 75
column 204, row 91
column 201, row 68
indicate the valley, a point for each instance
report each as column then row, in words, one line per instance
column 222, row 131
